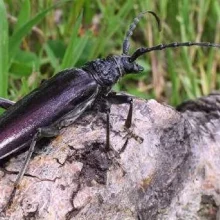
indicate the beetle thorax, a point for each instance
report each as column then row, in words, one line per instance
column 105, row 71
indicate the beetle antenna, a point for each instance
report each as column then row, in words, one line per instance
column 139, row 52
column 126, row 43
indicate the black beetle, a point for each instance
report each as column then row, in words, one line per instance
column 59, row 101
column 63, row 98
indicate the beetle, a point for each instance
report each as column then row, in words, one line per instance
column 59, row 101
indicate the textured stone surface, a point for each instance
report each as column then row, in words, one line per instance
column 169, row 168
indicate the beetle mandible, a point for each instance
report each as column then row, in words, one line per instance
column 59, row 101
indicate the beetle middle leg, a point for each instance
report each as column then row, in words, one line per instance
column 41, row 133
column 104, row 105
column 6, row 103
column 118, row 99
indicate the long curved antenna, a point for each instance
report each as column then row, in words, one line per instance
column 126, row 43
column 139, row 52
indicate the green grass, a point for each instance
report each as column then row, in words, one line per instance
column 35, row 44
column 3, row 51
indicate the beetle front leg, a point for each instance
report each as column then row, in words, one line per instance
column 108, row 145
column 41, row 132
column 6, row 103
column 118, row 99
column 104, row 105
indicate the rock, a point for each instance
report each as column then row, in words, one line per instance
column 166, row 166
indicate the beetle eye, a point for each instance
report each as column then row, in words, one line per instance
column 140, row 68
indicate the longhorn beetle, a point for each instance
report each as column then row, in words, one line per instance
column 59, row 101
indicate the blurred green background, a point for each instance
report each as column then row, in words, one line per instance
column 40, row 38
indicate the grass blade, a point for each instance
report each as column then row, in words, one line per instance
column 69, row 56
column 3, row 50
column 17, row 37
column 24, row 14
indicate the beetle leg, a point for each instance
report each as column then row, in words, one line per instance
column 103, row 105
column 108, row 145
column 5, row 103
column 118, row 99
column 42, row 132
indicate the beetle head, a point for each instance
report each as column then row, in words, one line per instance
column 124, row 66
column 128, row 66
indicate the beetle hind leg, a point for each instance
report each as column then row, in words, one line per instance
column 41, row 132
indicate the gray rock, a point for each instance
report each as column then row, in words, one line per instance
column 166, row 166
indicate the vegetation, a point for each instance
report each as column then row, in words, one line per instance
column 40, row 38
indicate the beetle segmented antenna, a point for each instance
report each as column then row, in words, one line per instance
column 126, row 43
column 139, row 52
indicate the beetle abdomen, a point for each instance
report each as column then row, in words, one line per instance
column 42, row 107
